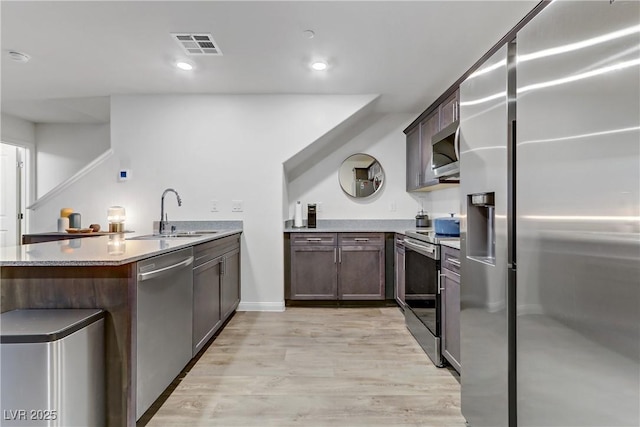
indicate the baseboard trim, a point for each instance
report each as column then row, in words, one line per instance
column 261, row 306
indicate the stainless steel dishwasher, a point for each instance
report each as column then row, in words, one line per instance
column 164, row 323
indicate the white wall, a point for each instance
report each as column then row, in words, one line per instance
column 63, row 149
column 441, row 203
column 385, row 141
column 207, row 147
column 17, row 130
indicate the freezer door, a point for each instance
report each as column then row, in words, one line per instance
column 578, row 210
column 483, row 244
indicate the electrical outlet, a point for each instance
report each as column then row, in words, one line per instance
column 214, row 205
column 237, row 206
column 392, row 207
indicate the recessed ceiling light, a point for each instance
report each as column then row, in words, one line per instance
column 184, row 66
column 19, row 56
column 319, row 66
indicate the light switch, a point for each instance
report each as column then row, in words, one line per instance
column 237, row 206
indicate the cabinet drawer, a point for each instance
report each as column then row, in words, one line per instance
column 361, row 239
column 313, row 239
column 207, row 251
column 450, row 259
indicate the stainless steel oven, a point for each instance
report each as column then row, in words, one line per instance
column 422, row 291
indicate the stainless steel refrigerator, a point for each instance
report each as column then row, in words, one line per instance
column 550, row 230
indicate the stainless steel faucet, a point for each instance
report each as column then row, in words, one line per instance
column 164, row 220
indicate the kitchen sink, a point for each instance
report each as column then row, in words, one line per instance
column 171, row 236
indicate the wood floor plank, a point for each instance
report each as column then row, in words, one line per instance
column 314, row 367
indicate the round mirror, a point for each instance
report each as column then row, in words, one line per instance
column 360, row 175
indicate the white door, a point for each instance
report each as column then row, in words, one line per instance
column 9, row 192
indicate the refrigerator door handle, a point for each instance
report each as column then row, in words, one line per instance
column 456, row 143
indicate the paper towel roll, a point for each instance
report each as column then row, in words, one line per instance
column 297, row 217
column 63, row 224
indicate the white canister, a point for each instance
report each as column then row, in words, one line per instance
column 63, row 224
column 297, row 216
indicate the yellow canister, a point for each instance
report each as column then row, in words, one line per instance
column 65, row 212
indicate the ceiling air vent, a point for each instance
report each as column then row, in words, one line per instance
column 197, row 44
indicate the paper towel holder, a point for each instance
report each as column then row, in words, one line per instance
column 297, row 216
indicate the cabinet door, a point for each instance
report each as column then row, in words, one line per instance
column 450, row 281
column 413, row 159
column 449, row 110
column 206, row 302
column 428, row 128
column 399, row 274
column 230, row 283
column 313, row 272
column 361, row 267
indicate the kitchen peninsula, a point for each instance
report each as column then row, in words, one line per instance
column 105, row 272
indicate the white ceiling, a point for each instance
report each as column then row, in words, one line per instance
column 83, row 51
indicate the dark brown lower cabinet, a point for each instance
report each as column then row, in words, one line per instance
column 216, row 287
column 230, row 282
column 206, row 302
column 450, row 283
column 337, row 266
column 399, row 285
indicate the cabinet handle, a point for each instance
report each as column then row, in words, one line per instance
column 223, row 266
column 340, row 255
column 335, row 255
column 440, row 289
column 454, row 261
column 361, row 239
column 216, row 260
column 314, row 239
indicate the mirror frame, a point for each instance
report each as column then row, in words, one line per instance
column 378, row 178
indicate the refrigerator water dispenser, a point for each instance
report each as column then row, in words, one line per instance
column 481, row 230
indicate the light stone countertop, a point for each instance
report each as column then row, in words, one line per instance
column 355, row 226
column 101, row 251
column 451, row 243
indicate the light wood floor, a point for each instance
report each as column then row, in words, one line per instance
column 314, row 367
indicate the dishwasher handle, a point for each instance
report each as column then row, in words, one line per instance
column 164, row 270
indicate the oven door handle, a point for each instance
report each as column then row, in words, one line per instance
column 440, row 288
column 429, row 251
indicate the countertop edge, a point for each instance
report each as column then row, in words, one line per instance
column 188, row 242
column 455, row 244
